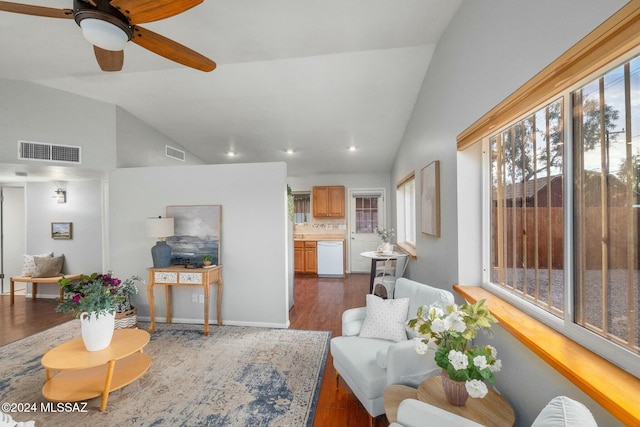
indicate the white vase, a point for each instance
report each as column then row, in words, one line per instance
column 386, row 248
column 97, row 331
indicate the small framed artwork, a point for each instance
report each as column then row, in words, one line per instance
column 61, row 230
column 430, row 199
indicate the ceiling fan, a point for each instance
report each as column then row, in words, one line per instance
column 109, row 24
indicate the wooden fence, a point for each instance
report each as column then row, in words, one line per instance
column 545, row 227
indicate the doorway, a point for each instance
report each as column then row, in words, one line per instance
column 12, row 235
column 366, row 216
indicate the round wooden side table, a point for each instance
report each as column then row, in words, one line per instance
column 493, row 410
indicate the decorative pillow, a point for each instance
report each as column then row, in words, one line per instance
column 385, row 318
column 563, row 411
column 48, row 266
column 29, row 265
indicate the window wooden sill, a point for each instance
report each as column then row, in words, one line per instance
column 409, row 249
column 613, row 388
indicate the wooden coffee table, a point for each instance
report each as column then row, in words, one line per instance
column 491, row 410
column 83, row 375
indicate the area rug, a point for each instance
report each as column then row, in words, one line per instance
column 236, row 376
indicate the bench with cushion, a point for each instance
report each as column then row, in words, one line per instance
column 35, row 280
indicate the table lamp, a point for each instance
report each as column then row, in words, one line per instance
column 160, row 228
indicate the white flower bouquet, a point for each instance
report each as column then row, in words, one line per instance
column 452, row 329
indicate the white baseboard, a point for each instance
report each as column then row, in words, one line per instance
column 213, row 322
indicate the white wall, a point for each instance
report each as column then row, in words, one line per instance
column 83, row 253
column 253, row 242
column 490, row 49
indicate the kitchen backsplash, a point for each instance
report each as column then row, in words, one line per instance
column 322, row 227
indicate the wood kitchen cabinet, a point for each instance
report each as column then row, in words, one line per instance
column 328, row 201
column 305, row 257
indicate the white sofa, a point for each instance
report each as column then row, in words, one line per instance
column 368, row 365
column 561, row 411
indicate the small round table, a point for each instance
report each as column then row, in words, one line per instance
column 493, row 410
column 375, row 257
column 82, row 375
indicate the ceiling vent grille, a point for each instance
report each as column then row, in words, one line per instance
column 48, row 152
column 174, row 153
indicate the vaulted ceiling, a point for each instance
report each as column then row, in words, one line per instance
column 313, row 76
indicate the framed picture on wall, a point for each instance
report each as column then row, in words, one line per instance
column 196, row 233
column 62, row 230
column 430, row 198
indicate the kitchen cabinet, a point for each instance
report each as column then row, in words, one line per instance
column 328, row 201
column 305, row 257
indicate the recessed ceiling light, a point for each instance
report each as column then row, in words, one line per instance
column 231, row 153
column 289, row 151
column 352, row 148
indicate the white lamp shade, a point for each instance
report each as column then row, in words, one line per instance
column 159, row 227
column 103, row 34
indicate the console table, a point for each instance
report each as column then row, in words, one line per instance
column 178, row 275
column 86, row 374
column 491, row 410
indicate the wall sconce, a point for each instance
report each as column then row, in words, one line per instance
column 60, row 195
column 160, row 228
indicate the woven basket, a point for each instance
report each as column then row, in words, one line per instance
column 127, row 319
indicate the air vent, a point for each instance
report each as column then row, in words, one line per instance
column 48, row 152
column 174, row 153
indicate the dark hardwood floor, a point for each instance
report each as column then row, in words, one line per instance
column 319, row 303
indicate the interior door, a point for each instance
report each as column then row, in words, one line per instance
column 366, row 215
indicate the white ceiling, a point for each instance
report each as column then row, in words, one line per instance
column 316, row 76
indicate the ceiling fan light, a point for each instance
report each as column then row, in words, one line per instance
column 103, row 34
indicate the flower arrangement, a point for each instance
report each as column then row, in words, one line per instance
column 98, row 293
column 453, row 329
column 386, row 235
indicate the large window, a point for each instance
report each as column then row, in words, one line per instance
column 539, row 187
column 406, row 211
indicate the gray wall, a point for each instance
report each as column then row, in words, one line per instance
column 83, row 253
column 254, row 235
column 138, row 144
column 490, row 49
column 35, row 113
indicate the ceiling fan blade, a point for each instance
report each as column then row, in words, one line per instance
column 28, row 9
column 141, row 11
column 171, row 50
column 109, row 60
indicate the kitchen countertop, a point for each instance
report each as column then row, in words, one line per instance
column 308, row 237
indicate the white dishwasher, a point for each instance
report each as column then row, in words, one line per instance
column 330, row 258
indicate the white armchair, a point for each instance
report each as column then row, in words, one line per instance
column 368, row 365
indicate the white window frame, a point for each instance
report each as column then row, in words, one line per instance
column 406, row 212
column 618, row 355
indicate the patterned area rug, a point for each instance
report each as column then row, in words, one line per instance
column 237, row 376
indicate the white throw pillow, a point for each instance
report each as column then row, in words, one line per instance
column 385, row 318
column 562, row 411
column 29, row 265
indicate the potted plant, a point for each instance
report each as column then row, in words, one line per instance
column 94, row 299
column 206, row 260
column 386, row 235
column 452, row 329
